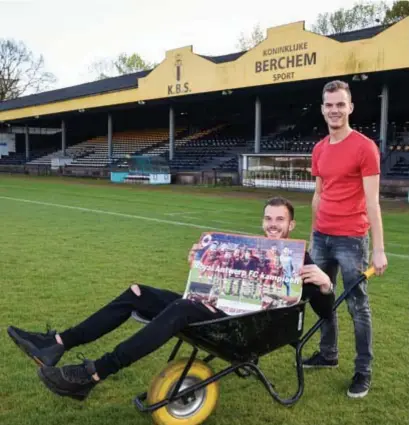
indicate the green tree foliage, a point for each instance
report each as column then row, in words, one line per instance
column 361, row 15
column 121, row 65
column 398, row 11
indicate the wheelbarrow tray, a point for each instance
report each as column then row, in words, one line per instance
column 248, row 336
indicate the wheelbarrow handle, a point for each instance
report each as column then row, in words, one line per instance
column 364, row 276
column 370, row 272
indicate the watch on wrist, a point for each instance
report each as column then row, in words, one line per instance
column 330, row 289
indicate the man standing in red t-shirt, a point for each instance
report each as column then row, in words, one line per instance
column 345, row 206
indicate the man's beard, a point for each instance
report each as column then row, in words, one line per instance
column 335, row 127
column 341, row 124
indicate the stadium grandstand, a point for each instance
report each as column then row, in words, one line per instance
column 206, row 113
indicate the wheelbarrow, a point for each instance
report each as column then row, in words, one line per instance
column 187, row 390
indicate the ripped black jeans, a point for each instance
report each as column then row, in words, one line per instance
column 168, row 312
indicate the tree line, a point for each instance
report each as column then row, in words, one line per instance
column 22, row 72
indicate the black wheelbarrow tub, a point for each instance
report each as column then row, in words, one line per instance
column 245, row 337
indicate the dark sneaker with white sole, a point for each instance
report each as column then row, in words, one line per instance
column 41, row 347
column 73, row 381
column 359, row 386
column 317, row 360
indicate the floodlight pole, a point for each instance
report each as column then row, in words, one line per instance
column 63, row 137
column 257, row 127
column 27, row 138
column 384, row 118
column 109, row 137
column 171, row 133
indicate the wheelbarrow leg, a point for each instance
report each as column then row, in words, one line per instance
column 270, row 387
column 209, row 358
column 175, row 350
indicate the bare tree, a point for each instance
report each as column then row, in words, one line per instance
column 247, row 42
column 123, row 64
column 20, row 71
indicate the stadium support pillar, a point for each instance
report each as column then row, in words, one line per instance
column 27, row 134
column 257, row 127
column 171, row 133
column 63, row 137
column 384, row 118
column 109, row 136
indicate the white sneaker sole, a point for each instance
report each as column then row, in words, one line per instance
column 357, row 395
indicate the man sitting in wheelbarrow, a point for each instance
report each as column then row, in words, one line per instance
column 167, row 311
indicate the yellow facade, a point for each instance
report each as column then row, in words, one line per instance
column 289, row 53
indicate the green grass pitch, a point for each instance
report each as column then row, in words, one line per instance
column 68, row 246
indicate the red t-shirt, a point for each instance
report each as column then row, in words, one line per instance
column 342, row 166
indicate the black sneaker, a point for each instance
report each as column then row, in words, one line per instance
column 73, row 381
column 317, row 360
column 41, row 347
column 360, row 385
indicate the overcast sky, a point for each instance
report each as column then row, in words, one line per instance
column 73, row 33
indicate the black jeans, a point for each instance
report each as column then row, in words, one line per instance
column 168, row 312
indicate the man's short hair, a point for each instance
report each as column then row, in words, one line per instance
column 278, row 201
column 336, row 85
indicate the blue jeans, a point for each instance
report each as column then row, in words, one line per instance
column 351, row 255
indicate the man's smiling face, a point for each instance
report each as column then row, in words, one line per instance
column 277, row 223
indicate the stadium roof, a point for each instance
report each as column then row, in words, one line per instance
column 359, row 34
column 96, row 87
column 131, row 80
column 341, row 37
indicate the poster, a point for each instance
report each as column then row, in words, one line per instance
column 240, row 274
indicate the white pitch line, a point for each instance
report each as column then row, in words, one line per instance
column 400, row 245
column 392, row 254
column 184, row 213
column 141, row 217
column 225, row 222
column 219, row 221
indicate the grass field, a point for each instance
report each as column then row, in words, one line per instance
column 69, row 246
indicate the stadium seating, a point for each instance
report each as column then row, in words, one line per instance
column 94, row 152
column 13, row 159
column 219, row 144
column 19, row 158
column 163, row 148
column 75, row 151
column 281, row 145
column 399, row 151
column 231, row 164
column 400, row 168
column 207, row 152
column 370, row 130
column 195, row 154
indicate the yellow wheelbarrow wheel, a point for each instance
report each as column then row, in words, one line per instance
column 200, row 404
